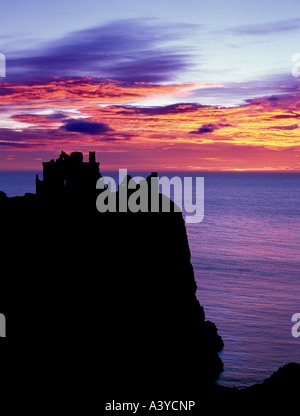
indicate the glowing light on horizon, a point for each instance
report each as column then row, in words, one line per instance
column 183, row 134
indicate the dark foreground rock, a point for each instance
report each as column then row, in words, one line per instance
column 103, row 307
column 113, row 294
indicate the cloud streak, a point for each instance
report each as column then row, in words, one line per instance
column 87, row 127
column 210, row 127
column 291, row 127
column 129, row 50
column 263, row 29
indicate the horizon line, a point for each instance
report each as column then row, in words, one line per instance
column 236, row 170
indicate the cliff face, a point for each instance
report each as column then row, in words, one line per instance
column 161, row 333
column 116, row 290
column 105, row 305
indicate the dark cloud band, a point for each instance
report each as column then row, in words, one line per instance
column 128, row 50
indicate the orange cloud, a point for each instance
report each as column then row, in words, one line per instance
column 263, row 134
column 90, row 89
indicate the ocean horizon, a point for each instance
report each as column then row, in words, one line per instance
column 246, row 259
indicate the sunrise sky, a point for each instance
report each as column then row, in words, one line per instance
column 151, row 85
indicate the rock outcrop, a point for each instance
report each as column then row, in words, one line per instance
column 114, row 289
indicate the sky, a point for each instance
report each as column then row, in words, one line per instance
column 151, row 85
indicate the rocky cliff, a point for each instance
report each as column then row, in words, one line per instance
column 117, row 289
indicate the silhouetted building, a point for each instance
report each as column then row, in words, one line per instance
column 68, row 174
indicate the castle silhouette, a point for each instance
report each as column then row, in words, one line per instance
column 68, row 174
column 70, row 179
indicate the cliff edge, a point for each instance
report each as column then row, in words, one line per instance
column 116, row 290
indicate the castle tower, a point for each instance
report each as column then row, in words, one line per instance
column 68, row 174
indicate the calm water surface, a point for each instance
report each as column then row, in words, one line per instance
column 246, row 258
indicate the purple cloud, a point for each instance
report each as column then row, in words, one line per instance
column 169, row 109
column 59, row 116
column 87, row 127
column 209, row 128
column 205, row 128
column 128, row 50
column 283, row 116
column 277, row 87
column 287, row 25
column 292, row 127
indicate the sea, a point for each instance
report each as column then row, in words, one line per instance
column 246, row 258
